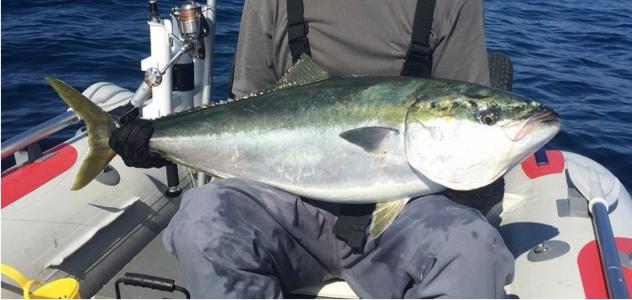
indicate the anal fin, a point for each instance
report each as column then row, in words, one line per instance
column 384, row 215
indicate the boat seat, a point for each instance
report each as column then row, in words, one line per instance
column 329, row 289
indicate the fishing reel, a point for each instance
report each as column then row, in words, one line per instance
column 191, row 31
column 193, row 27
column 191, row 23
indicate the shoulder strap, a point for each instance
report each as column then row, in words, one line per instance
column 418, row 61
column 297, row 29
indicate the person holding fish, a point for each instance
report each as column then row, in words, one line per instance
column 242, row 238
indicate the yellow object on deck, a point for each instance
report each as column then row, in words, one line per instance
column 65, row 288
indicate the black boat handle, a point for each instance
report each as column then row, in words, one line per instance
column 150, row 282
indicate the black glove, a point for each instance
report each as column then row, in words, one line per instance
column 131, row 142
column 125, row 114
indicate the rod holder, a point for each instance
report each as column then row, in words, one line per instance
column 173, row 181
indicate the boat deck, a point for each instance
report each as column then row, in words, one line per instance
column 153, row 260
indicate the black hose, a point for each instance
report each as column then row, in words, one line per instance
column 150, row 282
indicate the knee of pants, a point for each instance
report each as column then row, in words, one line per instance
column 477, row 236
column 459, row 233
column 440, row 227
column 208, row 214
column 212, row 201
column 479, row 246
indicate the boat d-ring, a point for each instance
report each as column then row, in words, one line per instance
column 548, row 250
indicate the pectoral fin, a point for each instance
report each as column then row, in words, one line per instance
column 369, row 138
column 384, row 215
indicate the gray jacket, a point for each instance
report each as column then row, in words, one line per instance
column 359, row 37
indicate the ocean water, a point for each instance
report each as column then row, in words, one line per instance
column 571, row 55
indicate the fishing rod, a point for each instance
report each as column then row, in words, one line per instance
column 175, row 76
column 193, row 28
column 192, row 38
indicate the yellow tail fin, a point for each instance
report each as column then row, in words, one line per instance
column 99, row 125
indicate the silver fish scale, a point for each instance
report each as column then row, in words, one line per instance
column 310, row 162
column 290, row 139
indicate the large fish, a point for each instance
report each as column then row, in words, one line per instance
column 348, row 140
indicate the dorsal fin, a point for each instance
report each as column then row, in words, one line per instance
column 305, row 71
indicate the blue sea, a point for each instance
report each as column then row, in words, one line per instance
column 574, row 56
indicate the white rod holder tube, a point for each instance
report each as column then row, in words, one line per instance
column 205, row 69
column 160, row 56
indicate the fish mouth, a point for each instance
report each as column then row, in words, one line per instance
column 544, row 115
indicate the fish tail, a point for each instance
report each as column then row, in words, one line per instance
column 99, row 125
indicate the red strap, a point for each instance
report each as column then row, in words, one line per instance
column 17, row 182
column 591, row 272
column 555, row 165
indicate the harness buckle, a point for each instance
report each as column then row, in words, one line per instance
column 418, row 61
column 297, row 39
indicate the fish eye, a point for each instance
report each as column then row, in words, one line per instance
column 487, row 117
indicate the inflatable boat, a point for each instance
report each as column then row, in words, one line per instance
column 566, row 219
